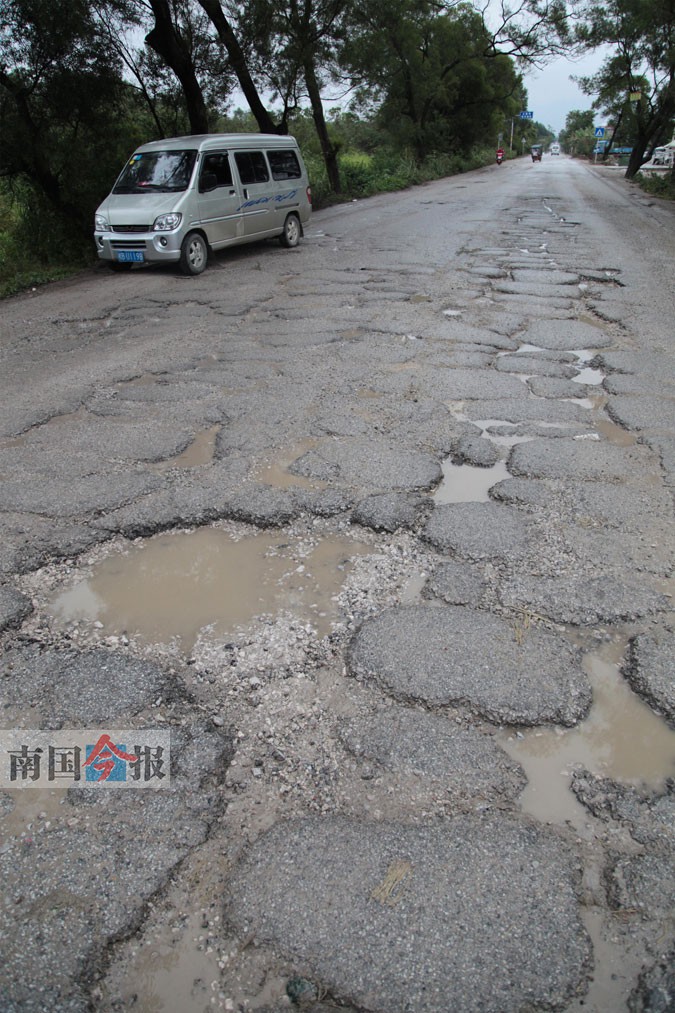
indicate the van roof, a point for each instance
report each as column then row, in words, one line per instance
column 205, row 141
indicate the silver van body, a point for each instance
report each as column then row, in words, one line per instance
column 180, row 198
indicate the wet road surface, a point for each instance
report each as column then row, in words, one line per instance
column 381, row 529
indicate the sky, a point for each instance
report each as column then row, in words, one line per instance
column 551, row 94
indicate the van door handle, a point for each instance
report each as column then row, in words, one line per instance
column 245, row 193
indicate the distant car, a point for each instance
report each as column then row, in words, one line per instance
column 554, row 149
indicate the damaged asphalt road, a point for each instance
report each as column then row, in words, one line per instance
column 430, row 454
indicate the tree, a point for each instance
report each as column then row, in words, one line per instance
column 438, row 82
column 637, row 80
column 58, row 84
column 173, row 45
column 287, row 47
column 311, row 31
column 577, row 136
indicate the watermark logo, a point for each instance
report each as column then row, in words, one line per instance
column 141, row 757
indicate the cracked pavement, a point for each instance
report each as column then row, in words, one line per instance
column 344, row 822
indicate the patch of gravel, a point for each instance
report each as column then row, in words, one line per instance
column 476, row 450
column 457, row 583
column 579, row 460
column 373, row 465
column 479, row 531
column 565, row 335
column 395, row 918
column 448, row 655
column 470, row 764
column 14, row 607
column 389, row 511
column 79, row 689
column 583, row 602
column 650, row 670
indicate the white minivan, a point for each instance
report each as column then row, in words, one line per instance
column 183, row 197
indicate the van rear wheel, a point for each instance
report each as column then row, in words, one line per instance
column 194, row 254
column 292, row 231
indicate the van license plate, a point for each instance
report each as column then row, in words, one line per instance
column 133, row 256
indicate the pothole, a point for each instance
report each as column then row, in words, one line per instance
column 612, row 433
column 199, row 453
column 169, row 588
column 587, row 375
column 616, row 966
column 466, row 483
column 622, row 738
column 277, row 474
column 503, row 439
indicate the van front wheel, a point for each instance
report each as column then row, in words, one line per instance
column 194, row 254
column 292, row 232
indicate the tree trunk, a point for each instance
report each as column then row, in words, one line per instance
column 635, row 159
column 167, row 42
column 238, row 60
column 650, row 129
column 327, row 148
column 605, row 154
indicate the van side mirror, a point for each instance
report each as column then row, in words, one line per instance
column 207, row 181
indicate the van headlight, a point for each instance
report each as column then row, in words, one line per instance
column 101, row 224
column 167, row 223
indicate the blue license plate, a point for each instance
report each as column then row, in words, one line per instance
column 130, row 256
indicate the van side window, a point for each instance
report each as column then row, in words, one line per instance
column 216, row 165
column 252, row 167
column 284, row 164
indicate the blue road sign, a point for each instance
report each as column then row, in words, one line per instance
column 526, row 115
column 599, row 131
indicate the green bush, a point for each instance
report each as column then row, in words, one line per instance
column 660, row 186
column 36, row 245
column 362, row 175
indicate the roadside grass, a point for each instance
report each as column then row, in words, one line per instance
column 30, row 276
column 659, row 186
column 30, row 257
column 35, row 248
column 364, row 175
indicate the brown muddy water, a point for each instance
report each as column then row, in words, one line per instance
column 621, row 738
column 199, row 453
column 171, row 587
column 276, row 471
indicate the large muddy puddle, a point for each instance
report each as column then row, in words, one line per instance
column 622, row 738
column 174, row 587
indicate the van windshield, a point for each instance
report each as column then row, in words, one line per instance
column 156, row 172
